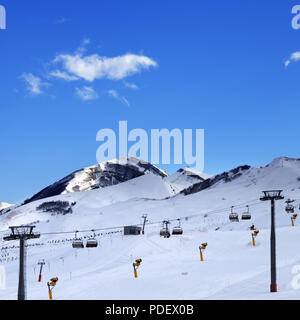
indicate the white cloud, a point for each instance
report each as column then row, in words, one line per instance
column 294, row 57
column 63, row 75
column 87, row 93
column 34, row 83
column 60, row 21
column 82, row 48
column 130, row 85
column 92, row 67
column 115, row 94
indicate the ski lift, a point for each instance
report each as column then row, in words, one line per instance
column 178, row 230
column 77, row 243
column 246, row 215
column 92, row 242
column 165, row 231
column 233, row 217
column 289, row 207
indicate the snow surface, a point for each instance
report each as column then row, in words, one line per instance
column 171, row 268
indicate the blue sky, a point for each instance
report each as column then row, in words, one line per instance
column 217, row 65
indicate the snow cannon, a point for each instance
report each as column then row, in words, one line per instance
column 53, row 282
column 293, row 218
column 136, row 265
column 254, row 235
column 51, row 285
column 202, row 248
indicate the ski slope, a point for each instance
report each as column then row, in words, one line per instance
column 171, row 268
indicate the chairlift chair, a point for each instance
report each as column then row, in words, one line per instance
column 92, row 242
column 77, row 243
column 178, row 230
column 290, row 208
column 165, row 231
column 246, row 215
column 233, row 217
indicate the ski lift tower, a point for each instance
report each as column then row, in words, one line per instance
column 272, row 196
column 22, row 233
column 144, row 217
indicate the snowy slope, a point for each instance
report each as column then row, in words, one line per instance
column 171, row 269
column 90, row 204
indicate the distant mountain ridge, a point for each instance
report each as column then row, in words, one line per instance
column 252, row 174
column 185, row 181
column 227, row 176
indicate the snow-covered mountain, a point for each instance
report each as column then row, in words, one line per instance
column 185, row 178
column 231, row 263
column 194, row 173
column 99, row 176
column 156, row 189
column 4, row 205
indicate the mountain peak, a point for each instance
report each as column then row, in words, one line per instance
column 5, row 205
column 285, row 162
column 194, row 173
column 100, row 175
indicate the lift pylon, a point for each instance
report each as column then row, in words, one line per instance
column 22, row 233
column 41, row 263
column 144, row 217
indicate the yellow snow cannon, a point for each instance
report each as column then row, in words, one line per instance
column 202, row 248
column 254, row 235
column 51, row 286
column 136, row 265
column 293, row 218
